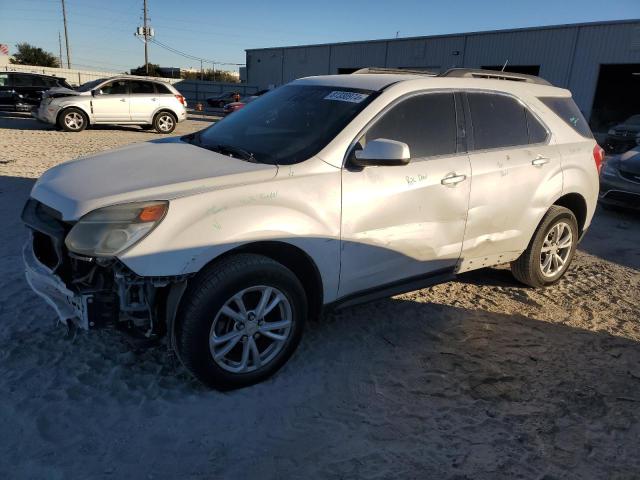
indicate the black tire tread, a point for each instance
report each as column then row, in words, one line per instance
column 207, row 281
column 524, row 268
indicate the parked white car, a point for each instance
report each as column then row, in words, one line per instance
column 117, row 100
column 324, row 192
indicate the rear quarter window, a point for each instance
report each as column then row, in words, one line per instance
column 569, row 112
column 160, row 88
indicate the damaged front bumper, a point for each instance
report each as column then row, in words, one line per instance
column 68, row 305
column 94, row 292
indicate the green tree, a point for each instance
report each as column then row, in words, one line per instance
column 30, row 55
column 153, row 70
column 208, row 74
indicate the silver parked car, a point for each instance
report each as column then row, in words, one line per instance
column 117, row 100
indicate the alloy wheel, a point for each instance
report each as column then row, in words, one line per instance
column 165, row 123
column 556, row 249
column 73, row 120
column 250, row 329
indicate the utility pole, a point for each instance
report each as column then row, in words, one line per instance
column 66, row 35
column 60, row 47
column 146, row 40
column 201, row 71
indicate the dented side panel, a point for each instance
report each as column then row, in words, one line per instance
column 401, row 221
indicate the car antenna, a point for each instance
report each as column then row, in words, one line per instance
column 505, row 65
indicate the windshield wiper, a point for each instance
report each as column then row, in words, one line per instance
column 231, row 151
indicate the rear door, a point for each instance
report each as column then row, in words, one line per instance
column 406, row 221
column 516, row 173
column 143, row 100
column 29, row 86
column 110, row 102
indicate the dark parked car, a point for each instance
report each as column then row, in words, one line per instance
column 620, row 180
column 22, row 91
column 221, row 99
column 622, row 137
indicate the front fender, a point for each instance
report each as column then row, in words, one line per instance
column 303, row 211
column 84, row 106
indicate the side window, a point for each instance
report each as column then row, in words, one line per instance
column 117, row 87
column 38, row 82
column 427, row 123
column 497, row 121
column 4, row 80
column 160, row 88
column 141, row 87
column 537, row 131
column 22, row 80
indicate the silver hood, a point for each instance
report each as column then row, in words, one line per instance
column 143, row 171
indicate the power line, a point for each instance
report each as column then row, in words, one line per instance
column 192, row 57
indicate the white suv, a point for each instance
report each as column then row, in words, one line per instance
column 326, row 191
column 118, row 100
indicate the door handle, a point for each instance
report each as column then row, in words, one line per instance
column 154, row 99
column 123, row 99
column 539, row 161
column 452, row 179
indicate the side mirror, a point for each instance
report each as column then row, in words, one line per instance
column 96, row 92
column 381, row 152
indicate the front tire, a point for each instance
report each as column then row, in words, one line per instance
column 73, row 120
column 240, row 321
column 550, row 251
column 164, row 122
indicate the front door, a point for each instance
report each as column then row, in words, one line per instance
column 400, row 222
column 110, row 102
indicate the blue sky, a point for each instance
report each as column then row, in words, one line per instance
column 101, row 32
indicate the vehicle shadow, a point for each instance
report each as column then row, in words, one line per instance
column 614, row 235
column 22, row 121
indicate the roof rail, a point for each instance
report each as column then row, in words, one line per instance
column 404, row 71
column 493, row 74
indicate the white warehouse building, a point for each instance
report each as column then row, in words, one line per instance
column 599, row 62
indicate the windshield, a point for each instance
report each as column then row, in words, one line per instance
column 85, row 87
column 287, row 125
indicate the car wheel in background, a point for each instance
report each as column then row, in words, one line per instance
column 164, row 122
column 240, row 320
column 550, row 251
column 73, row 120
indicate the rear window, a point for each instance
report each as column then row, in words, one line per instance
column 568, row 111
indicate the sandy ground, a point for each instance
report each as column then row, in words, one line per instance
column 475, row 379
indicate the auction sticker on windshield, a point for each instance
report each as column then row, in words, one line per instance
column 352, row 97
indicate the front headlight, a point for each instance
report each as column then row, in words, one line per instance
column 108, row 231
column 609, row 169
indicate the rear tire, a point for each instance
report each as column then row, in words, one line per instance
column 73, row 120
column 224, row 302
column 164, row 122
column 550, row 251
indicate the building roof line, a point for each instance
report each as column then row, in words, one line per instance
column 448, row 35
